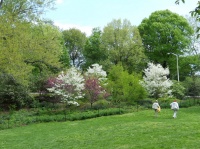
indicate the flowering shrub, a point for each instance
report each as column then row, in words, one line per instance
column 156, row 82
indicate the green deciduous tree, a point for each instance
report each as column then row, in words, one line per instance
column 124, row 87
column 25, row 10
column 124, row 44
column 189, row 62
column 74, row 42
column 178, row 90
column 46, row 53
column 162, row 33
column 29, row 46
column 26, row 42
column 192, row 86
column 188, row 66
column 93, row 50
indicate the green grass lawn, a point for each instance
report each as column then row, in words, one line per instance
column 138, row 130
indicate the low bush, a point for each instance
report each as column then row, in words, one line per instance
column 25, row 117
column 101, row 104
column 147, row 103
column 13, row 95
column 186, row 103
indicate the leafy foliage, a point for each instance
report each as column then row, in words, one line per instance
column 124, row 45
column 12, row 94
column 192, row 85
column 45, row 54
column 188, row 66
column 124, row 86
column 178, row 90
column 162, row 33
column 27, row 117
column 25, row 45
column 27, row 10
column 74, row 41
column 93, row 50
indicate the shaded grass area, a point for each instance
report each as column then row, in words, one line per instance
column 128, row 131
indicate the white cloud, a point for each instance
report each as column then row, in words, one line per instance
column 86, row 29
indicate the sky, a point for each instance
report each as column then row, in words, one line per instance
column 88, row 14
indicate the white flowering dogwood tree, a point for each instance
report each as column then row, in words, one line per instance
column 69, row 85
column 96, row 71
column 155, row 81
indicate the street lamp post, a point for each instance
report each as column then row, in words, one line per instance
column 176, row 64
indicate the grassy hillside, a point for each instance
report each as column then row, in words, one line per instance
column 129, row 131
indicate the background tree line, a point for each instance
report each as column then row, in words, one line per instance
column 33, row 49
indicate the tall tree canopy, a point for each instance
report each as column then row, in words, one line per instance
column 74, row 42
column 124, row 44
column 164, row 32
column 93, row 50
column 28, row 10
column 25, row 40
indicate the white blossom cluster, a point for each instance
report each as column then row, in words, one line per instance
column 96, row 71
column 69, row 86
column 155, row 80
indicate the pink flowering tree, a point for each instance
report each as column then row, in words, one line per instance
column 92, row 89
column 69, row 86
column 95, row 79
